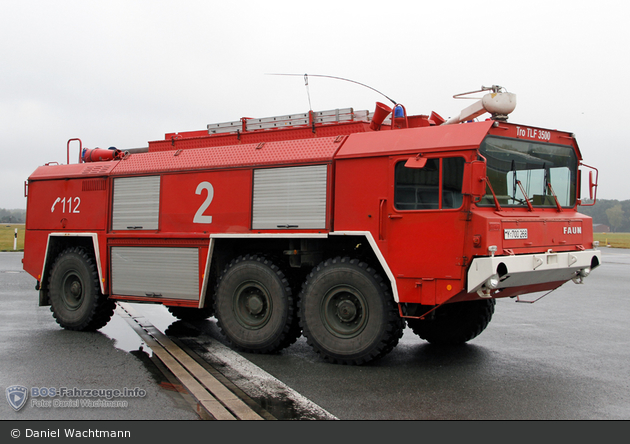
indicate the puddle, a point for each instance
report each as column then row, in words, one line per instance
column 202, row 338
column 156, row 314
column 124, row 337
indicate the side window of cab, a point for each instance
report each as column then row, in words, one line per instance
column 437, row 185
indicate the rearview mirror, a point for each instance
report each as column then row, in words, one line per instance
column 593, row 176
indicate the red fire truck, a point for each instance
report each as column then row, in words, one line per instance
column 339, row 225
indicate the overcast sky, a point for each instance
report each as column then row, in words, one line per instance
column 122, row 73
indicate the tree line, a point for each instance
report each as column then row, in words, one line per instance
column 12, row 216
column 613, row 213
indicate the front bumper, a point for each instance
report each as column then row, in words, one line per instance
column 528, row 269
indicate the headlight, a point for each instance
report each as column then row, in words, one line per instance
column 581, row 274
column 492, row 282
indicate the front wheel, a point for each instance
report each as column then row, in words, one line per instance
column 75, row 293
column 254, row 306
column 347, row 312
column 455, row 323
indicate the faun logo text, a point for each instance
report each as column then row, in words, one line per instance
column 572, row 230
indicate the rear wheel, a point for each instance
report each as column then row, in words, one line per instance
column 254, row 306
column 75, row 293
column 455, row 323
column 347, row 313
column 191, row 313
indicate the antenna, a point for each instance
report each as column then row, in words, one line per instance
column 330, row 77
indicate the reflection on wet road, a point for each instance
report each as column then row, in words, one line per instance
column 270, row 398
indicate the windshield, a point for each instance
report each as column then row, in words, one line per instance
column 519, row 168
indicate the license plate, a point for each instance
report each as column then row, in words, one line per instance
column 515, row 233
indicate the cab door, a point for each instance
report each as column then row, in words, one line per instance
column 425, row 221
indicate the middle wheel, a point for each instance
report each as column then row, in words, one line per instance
column 347, row 312
column 255, row 307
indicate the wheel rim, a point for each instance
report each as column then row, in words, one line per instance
column 252, row 305
column 72, row 291
column 344, row 311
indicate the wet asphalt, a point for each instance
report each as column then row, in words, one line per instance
column 564, row 357
column 36, row 353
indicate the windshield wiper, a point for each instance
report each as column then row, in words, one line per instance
column 529, row 204
column 514, row 180
column 553, row 193
column 494, row 196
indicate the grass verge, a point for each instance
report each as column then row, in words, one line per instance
column 615, row 240
column 7, row 237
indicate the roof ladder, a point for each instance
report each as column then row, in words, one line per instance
column 290, row 120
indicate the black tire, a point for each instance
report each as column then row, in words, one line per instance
column 191, row 313
column 347, row 313
column 455, row 323
column 255, row 307
column 75, row 293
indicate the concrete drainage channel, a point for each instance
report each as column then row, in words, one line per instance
column 218, row 396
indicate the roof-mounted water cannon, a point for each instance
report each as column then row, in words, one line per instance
column 499, row 103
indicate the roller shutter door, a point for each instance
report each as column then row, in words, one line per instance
column 156, row 272
column 136, row 203
column 291, row 197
